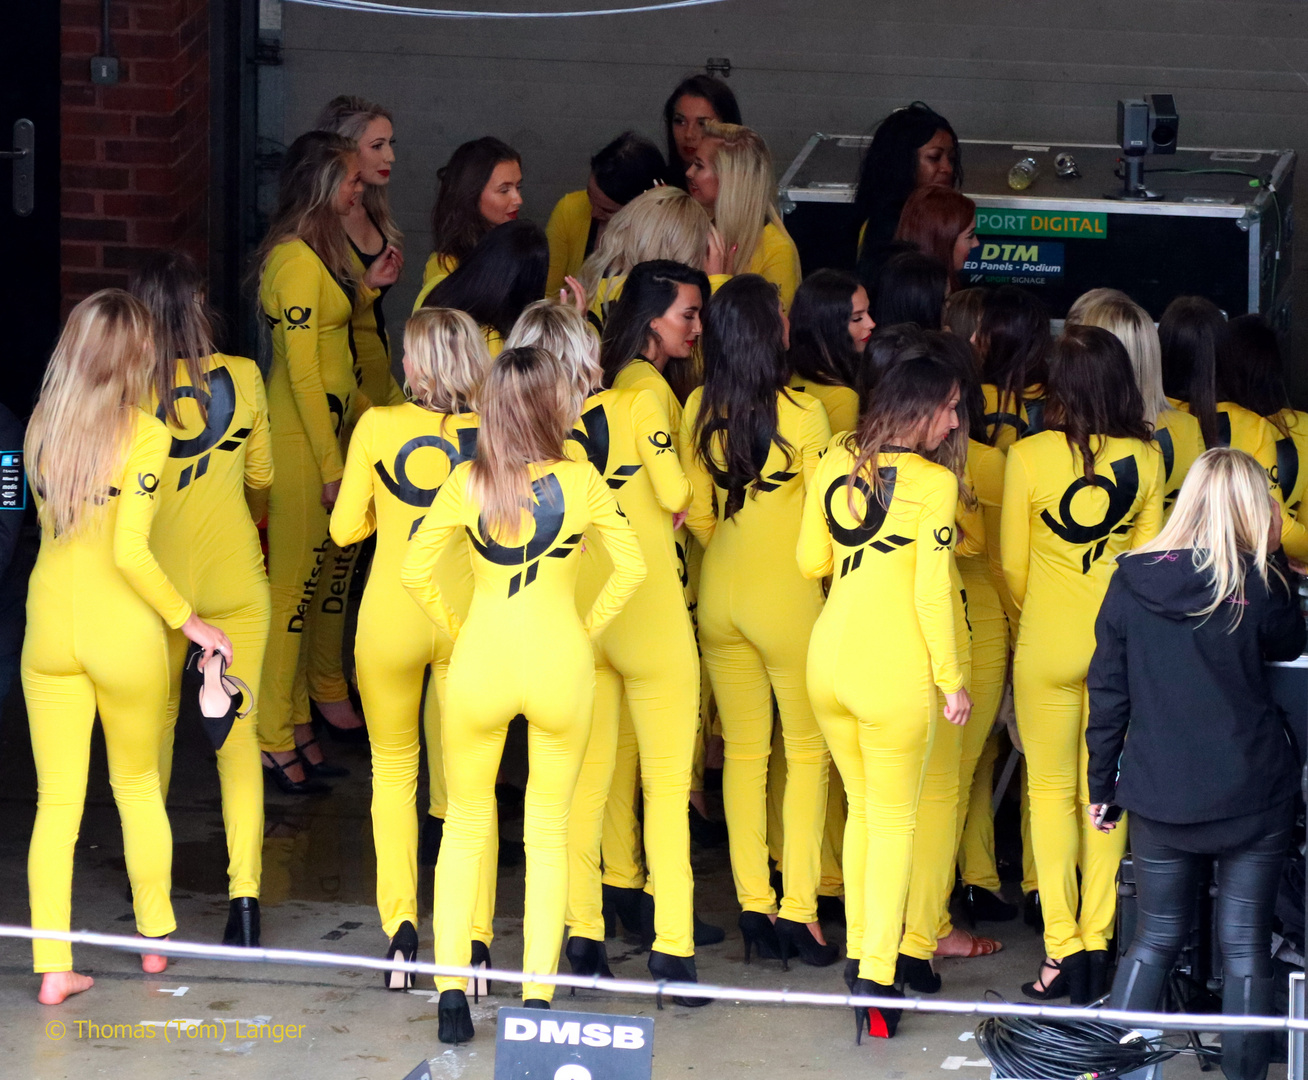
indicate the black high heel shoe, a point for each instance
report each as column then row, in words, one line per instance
column 663, row 967
column 315, row 770
column 1099, row 976
column 273, row 768
column 759, row 933
column 796, row 939
column 917, row 974
column 453, row 1017
column 587, row 957
column 706, row 832
column 1032, row 913
column 1071, row 970
column 706, row 933
column 242, row 923
column 879, row 1023
column 481, row 986
column 535, row 1003
column 221, row 696
column 850, row 973
column 623, row 905
column 981, row 905
column 429, row 846
column 341, row 735
column 404, row 945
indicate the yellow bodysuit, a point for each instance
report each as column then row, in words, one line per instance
column 1178, row 437
column 840, row 402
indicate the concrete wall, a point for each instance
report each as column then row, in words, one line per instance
column 1030, row 70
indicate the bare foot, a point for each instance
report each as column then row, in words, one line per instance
column 340, row 714
column 57, row 985
column 289, row 760
column 153, row 963
column 815, row 928
column 959, row 942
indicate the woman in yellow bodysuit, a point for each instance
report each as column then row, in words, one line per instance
column 1076, row 496
column 1012, row 340
column 308, row 291
column 749, row 446
column 398, row 459
column 1176, row 431
column 523, row 508
column 879, row 519
column 216, row 412
column 731, row 177
column 373, row 235
column 646, row 656
column 97, row 605
column 829, row 331
column 479, row 188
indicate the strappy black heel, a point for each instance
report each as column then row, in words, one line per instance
column 273, row 768
column 1072, row 978
column 404, row 946
column 319, row 769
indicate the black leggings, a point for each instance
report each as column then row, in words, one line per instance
column 1247, row 880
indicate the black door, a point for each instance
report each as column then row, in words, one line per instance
column 29, row 242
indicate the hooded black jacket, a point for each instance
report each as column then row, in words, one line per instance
column 1203, row 739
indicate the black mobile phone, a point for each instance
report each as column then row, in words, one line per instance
column 1112, row 813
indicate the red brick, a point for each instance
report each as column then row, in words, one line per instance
column 96, row 122
column 74, row 69
column 154, row 18
column 78, row 42
column 73, row 228
column 135, row 99
column 134, row 206
column 80, row 284
column 155, row 181
column 83, row 14
column 125, row 258
column 139, row 152
column 94, row 178
column 77, row 202
column 159, row 127
column 151, row 73
column 80, row 256
column 154, row 233
column 77, row 150
column 149, row 46
column 77, row 94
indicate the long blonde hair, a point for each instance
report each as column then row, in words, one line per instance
column 529, row 403
column 446, row 359
column 563, row 332
column 317, row 163
column 1223, row 513
column 82, row 425
column 662, row 223
column 1126, row 320
column 350, row 116
column 747, row 188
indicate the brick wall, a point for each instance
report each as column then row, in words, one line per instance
column 134, row 156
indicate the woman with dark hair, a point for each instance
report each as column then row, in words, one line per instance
column 502, row 275
column 626, row 167
column 206, row 542
column 829, row 331
column 1191, row 334
column 695, row 100
column 479, row 188
column 1076, row 496
column 910, row 287
column 1013, row 341
column 913, row 147
column 1186, row 735
column 749, row 447
column 940, row 221
column 879, row 519
column 963, row 309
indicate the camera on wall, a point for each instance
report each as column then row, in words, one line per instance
column 1144, row 126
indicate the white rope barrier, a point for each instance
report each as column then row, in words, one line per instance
column 198, row 951
column 372, row 7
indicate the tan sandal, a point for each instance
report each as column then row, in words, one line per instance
column 977, row 946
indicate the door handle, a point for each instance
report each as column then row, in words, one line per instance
column 23, row 155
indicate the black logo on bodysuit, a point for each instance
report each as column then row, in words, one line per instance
column 405, row 489
column 146, row 483
column 297, row 318
column 594, row 439
column 662, row 442
column 220, row 409
column 1287, row 467
column 337, row 408
column 1121, row 494
column 546, row 506
column 863, row 535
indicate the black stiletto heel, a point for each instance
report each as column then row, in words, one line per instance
column 341, row 735
column 453, row 1017
column 879, row 1023
column 404, row 945
column 321, row 769
column 917, row 974
column 851, row 973
column 759, row 933
column 797, row 939
column 481, row 986
column 221, row 696
column 429, row 846
column 623, row 905
column 535, row 1003
column 587, row 958
column 664, row 967
column 273, row 768
column 242, row 923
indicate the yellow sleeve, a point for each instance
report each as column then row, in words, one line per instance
column 933, row 587
column 716, row 281
column 815, row 434
column 815, row 553
column 418, row 571
column 1265, row 453
column 658, row 453
column 623, row 549
column 566, row 231
column 971, row 523
column 258, row 447
column 778, row 262
column 701, row 518
column 297, row 284
column 1015, row 528
column 136, row 509
column 353, row 518
column 1149, row 521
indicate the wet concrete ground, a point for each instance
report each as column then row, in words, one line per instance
column 340, row 1024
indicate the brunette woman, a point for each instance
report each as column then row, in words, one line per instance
column 697, row 100
column 940, row 221
column 829, row 330
column 1014, row 343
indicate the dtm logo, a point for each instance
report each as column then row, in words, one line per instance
column 297, row 318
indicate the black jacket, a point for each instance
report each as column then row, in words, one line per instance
column 1203, row 739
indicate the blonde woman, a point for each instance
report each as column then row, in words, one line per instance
column 523, row 509
column 1175, row 431
column 308, row 291
column 1184, row 734
column 731, row 177
column 98, row 610
column 398, row 459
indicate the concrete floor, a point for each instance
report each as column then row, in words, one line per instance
column 318, row 894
